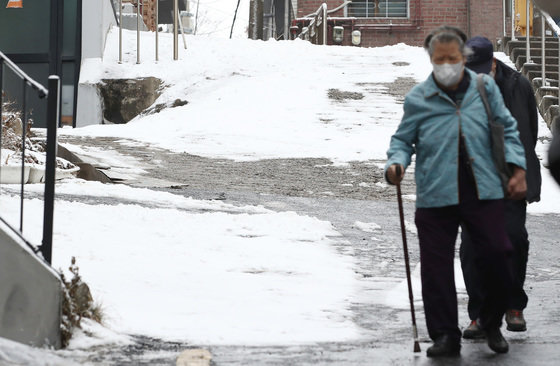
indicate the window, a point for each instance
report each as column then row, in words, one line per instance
column 378, row 9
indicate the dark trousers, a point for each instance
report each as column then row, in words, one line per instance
column 515, row 216
column 437, row 233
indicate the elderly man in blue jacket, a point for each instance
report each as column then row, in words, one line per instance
column 445, row 124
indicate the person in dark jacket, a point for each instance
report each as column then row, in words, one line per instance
column 554, row 151
column 519, row 99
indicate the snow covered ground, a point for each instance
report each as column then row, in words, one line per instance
column 207, row 272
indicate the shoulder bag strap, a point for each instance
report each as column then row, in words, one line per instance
column 482, row 91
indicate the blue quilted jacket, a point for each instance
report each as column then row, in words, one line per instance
column 430, row 128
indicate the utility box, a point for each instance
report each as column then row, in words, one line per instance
column 338, row 34
column 356, row 37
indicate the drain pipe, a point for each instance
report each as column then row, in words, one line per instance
column 120, row 31
column 528, row 34
column 543, row 52
column 513, row 16
column 157, row 30
column 175, row 30
column 504, row 5
column 137, row 31
column 287, row 20
column 469, row 19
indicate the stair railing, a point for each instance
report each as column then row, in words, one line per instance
column 556, row 29
column 316, row 31
column 548, row 95
column 53, row 115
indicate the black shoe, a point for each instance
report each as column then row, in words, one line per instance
column 444, row 346
column 473, row 331
column 496, row 340
column 515, row 321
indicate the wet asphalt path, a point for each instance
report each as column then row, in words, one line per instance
column 343, row 195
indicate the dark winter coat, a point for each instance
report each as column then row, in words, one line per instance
column 554, row 153
column 519, row 98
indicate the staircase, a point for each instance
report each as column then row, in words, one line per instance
column 547, row 93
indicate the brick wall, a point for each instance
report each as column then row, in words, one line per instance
column 425, row 15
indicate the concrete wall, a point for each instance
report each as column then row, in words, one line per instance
column 30, row 294
column 90, row 105
column 97, row 19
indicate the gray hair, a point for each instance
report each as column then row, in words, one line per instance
column 447, row 34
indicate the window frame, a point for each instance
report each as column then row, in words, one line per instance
column 368, row 11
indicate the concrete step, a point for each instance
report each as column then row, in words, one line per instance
column 516, row 52
column 532, row 74
column 537, row 83
column 553, row 45
column 551, row 62
column 551, row 113
column 547, row 91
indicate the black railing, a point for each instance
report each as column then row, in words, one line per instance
column 53, row 108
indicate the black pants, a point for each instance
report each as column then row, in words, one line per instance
column 515, row 216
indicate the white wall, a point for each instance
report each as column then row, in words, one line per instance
column 97, row 19
column 30, row 295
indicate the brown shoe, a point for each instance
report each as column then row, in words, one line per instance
column 473, row 331
column 515, row 321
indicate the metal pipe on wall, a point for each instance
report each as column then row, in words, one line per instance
column 120, row 31
column 513, row 16
column 157, row 30
column 528, row 33
column 137, row 31
column 287, row 20
column 504, row 16
column 175, row 28
column 543, row 51
column 325, row 24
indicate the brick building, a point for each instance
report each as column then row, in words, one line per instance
column 386, row 22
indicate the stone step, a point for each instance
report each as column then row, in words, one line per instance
column 537, row 83
column 547, row 91
column 532, row 74
column 516, row 52
column 533, row 44
column 551, row 62
column 506, row 40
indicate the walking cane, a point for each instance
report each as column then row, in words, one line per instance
column 407, row 264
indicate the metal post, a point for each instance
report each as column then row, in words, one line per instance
column 182, row 31
column 175, row 26
column 137, row 31
column 528, row 34
column 120, row 31
column 50, row 165
column 324, row 23
column 513, row 16
column 1, row 107
column 287, row 20
column 23, row 133
column 504, row 17
column 543, row 51
column 157, row 30
column 558, row 69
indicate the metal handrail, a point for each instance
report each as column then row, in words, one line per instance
column 552, row 24
column 177, row 24
column 343, row 5
column 319, row 18
column 546, row 21
column 53, row 114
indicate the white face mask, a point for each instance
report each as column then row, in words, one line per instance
column 448, row 74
